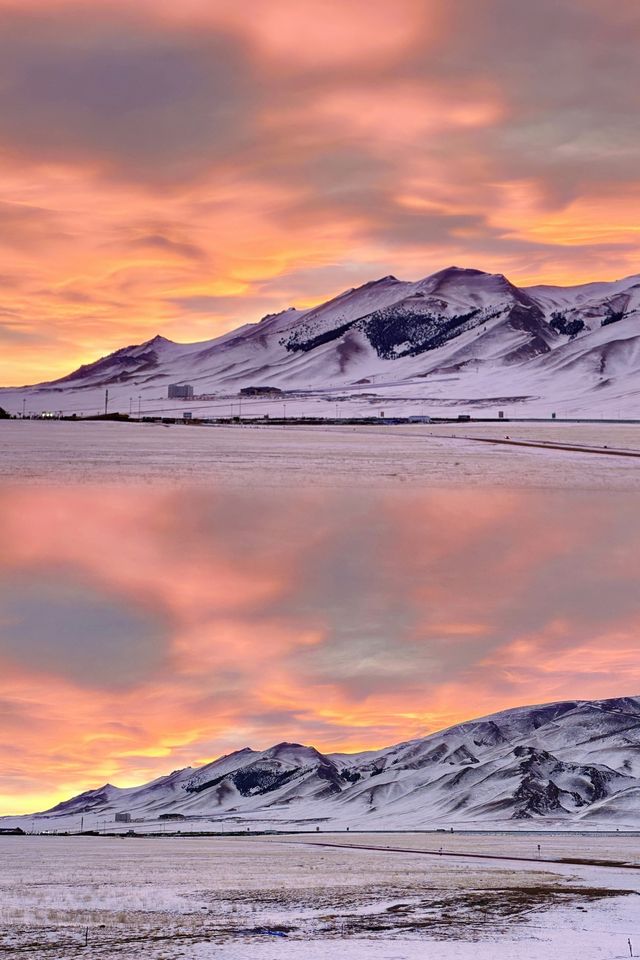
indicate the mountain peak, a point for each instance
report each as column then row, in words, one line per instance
column 455, row 274
column 454, row 269
column 290, row 750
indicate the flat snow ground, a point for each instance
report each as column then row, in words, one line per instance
column 290, row 899
column 339, row 456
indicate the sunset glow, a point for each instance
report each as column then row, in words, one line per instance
column 229, row 620
column 185, row 168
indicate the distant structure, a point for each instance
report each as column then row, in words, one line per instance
column 260, row 392
column 180, row 391
column 123, row 818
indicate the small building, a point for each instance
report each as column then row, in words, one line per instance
column 260, row 392
column 123, row 818
column 180, row 391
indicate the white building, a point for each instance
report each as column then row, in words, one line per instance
column 180, row 391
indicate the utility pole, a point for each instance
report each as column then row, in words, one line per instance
column 139, row 402
column 23, row 403
column 106, row 401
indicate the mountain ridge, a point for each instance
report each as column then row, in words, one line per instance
column 566, row 764
column 459, row 337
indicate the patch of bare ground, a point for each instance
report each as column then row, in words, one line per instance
column 471, row 912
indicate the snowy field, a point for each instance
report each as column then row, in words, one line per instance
column 291, row 899
column 377, row 456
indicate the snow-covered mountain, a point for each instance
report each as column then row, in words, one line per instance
column 459, row 338
column 572, row 764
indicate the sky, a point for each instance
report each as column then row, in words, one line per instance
column 182, row 168
column 170, row 627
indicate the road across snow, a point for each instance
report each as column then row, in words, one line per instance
column 488, row 856
column 550, row 445
column 332, row 457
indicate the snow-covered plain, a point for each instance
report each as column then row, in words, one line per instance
column 59, row 452
column 289, row 899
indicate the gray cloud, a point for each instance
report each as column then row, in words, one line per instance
column 388, row 584
column 26, row 226
column 157, row 241
column 79, row 630
column 14, row 331
column 137, row 100
column 568, row 74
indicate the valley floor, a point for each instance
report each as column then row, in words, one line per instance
column 446, row 455
column 293, row 898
